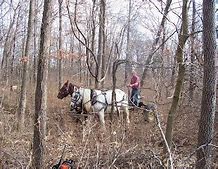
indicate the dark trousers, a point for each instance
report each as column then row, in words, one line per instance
column 135, row 97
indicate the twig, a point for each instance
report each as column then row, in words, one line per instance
column 30, row 161
column 58, row 126
column 213, row 145
column 200, row 147
column 119, row 153
column 165, row 141
column 14, row 158
column 156, row 157
column 85, row 146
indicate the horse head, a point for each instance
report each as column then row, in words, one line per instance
column 65, row 90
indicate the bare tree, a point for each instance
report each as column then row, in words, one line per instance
column 8, row 47
column 101, row 44
column 60, row 78
column 208, row 102
column 80, row 62
column 13, row 44
column 103, row 18
column 35, row 42
column 22, row 102
column 156, row 40
column 127, row 64
column 41, row 89
column 93, row 32
column 192, row 39
column 84, row 41
column 183, row 36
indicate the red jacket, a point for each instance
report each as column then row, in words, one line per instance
column 135, row 82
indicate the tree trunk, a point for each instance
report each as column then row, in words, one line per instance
column 60, row 78
column 114, row 81
column 80, row 63
column 127, row 65
column 208, row 102
column 7, row 50
column 192, row 39
column 156, row 40
column 181, row 74
column 103, row 68
column 13, row 43
column 35, row 43
column 41, row 89
column 173, row 73
column 72, row 59
column 13, row 56
column 100, row 44
column 22, row 102
column 6, row 56
column 93, row 31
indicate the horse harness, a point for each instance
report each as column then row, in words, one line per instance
column 106, row 104
column 93, row 100
column 75, row 99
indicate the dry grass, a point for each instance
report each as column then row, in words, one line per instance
column 137, row 146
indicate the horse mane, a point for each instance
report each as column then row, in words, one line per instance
column 71, row 84
column 70, row 87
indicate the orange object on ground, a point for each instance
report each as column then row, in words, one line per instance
column 64, row 166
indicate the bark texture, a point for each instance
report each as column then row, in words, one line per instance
column 23, row 99
column 41, row 90
column 127, row 65
column 101, row 45
column 181, row 73
column 60, row 76
column 206, row 124
column 192, row 39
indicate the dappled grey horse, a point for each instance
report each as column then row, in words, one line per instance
column 91, row 100
column 99, row 102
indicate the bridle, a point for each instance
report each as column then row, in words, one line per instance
column 68, row 89
column 75, row 100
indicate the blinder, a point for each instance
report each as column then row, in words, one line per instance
column 77, row 105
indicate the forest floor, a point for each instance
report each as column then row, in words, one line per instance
column 138, row 145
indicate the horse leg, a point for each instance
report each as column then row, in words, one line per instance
column 126, row 110
column 118, row 111
column 101, row 118
column 119, row 114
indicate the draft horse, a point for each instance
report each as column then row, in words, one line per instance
column 91, row 100
column 66, row 90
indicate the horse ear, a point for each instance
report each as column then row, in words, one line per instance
column 75, row 88
column 66, row 83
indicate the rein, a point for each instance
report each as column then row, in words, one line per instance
column 106, row 104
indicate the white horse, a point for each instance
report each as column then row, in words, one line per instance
column 99, row 101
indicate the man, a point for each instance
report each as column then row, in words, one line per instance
column 135, row 85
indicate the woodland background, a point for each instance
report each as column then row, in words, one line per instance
column 96, row 44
